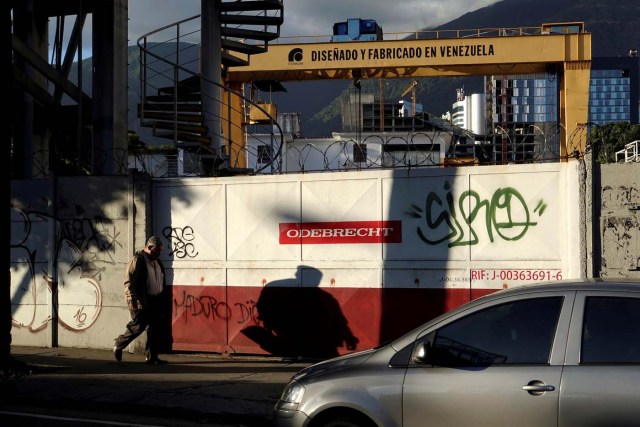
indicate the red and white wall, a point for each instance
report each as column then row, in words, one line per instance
column 327, row 263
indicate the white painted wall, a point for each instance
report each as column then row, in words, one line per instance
column 81, row 241
column 491, row 226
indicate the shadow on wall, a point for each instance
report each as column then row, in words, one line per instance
column 299, row 319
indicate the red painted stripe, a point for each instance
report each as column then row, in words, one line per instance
column 313, row 322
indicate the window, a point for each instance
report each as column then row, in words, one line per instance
column 519, row 332
column 264, row 154
column 359, row 153
column 611, row 330
column 172, row 166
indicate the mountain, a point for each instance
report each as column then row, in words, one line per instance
column 613, row 26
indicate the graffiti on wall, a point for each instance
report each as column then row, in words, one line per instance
column 621, row 196
column 81, row 251
column 505, row 215
column 181, row 241
column 620, row 230
column 209, row 308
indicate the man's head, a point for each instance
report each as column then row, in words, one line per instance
column 154, row 247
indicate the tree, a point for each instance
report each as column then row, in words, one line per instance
column 607, row 139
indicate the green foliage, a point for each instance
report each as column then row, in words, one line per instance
column 133, row 141
column 607, row 139
column 137, row 145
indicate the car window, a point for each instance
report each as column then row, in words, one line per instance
column 519, row 332
column 611, row 330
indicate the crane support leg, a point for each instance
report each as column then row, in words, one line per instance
column 574, row 106
column 236, row 132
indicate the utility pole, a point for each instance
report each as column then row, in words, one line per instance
column 381, row 102
column 503, row 111
column 5, row 285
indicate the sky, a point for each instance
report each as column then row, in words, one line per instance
column 314, row 17
column 301, row 17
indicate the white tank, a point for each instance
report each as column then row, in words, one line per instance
column 290, row 123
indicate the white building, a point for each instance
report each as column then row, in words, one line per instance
column 469, row 113
column 349, row 151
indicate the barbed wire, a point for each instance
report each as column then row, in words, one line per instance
column 537, row 144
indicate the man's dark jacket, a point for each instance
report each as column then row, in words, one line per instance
column 135, row 284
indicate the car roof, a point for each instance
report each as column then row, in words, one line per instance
column 611, row 284
column 607, row 284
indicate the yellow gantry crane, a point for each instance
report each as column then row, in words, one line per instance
column 564, row 48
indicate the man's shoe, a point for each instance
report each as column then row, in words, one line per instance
column 155, row 361
column 117, row 353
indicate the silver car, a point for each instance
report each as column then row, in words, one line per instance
column 554, row 354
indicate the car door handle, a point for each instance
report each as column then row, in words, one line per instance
column 538, row 388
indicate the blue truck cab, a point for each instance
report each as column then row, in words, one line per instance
column 356, row 29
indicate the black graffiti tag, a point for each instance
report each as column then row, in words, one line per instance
column 248, row 312
column 207, row 306
column 181, row 241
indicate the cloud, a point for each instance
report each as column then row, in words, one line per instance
column 146, row 16
column 313, row 17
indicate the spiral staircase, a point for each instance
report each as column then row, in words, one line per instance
column 173, row 101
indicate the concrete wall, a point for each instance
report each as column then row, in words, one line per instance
column 616, row 220
column 463, row 232
column 70, row 240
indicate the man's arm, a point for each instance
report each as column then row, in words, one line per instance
column 131, row 284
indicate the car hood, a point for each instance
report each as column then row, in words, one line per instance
column 335, row 364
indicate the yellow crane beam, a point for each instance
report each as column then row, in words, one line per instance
column 415, row 58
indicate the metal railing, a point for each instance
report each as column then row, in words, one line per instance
column 629, row 153
column 169, row 56
column 430, row 34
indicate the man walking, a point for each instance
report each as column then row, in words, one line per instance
column 144, row 285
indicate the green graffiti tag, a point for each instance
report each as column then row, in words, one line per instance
column 506, row 215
